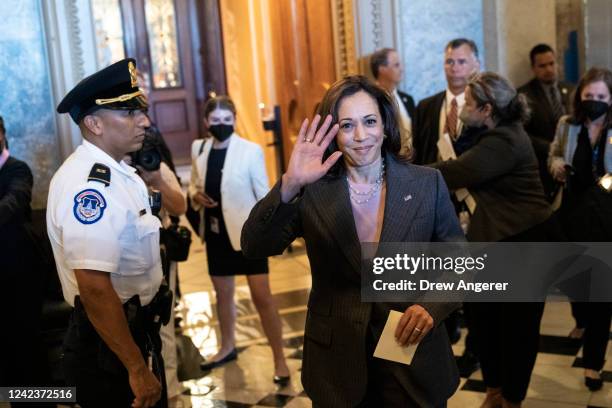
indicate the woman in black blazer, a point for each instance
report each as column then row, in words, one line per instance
column 501, row 173
column 346, row 184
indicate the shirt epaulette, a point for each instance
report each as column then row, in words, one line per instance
column 100, row 172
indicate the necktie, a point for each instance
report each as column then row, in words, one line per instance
column 555, row 102
column 451, row 120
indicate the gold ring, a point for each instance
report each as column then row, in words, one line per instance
column 417, row 329
column 308, row 140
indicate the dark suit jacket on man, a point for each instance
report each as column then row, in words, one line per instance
column 426, row 128
column 15, row 213
column 408, row 102
column 501, row 173
column 543, row 123
column 335, row 363
column 21, row 279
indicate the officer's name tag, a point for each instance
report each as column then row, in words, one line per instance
column 214, row 225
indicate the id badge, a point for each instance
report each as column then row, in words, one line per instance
column 214, row 225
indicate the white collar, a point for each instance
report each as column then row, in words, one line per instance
column 104, row 158
column 450, row 96
column 4, row 155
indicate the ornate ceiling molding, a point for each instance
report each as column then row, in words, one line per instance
column 376, row 18
column 344, row 37
column 76, row 43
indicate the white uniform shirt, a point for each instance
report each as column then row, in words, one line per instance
column 405, row 122
column 105, row 228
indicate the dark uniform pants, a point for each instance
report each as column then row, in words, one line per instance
column 100, row 378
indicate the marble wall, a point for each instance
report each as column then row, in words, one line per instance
column 26, row 103
column 424, row 31
column 598, row 33
column 513, row 27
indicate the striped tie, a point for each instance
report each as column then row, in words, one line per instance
column 555, row 102
column 451, row 120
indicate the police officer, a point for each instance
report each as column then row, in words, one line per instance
column 106, row 245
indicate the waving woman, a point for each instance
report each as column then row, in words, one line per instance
column 346, row 184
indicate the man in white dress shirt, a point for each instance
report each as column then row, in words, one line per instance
column 387, row 69
column 439, row 114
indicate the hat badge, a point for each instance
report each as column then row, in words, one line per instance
column 133, row 74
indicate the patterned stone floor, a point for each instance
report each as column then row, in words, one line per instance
column 557, row 379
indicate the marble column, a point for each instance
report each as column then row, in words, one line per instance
column 598, row 33
column 46, row 48
column 27, row 104
column 569, row 15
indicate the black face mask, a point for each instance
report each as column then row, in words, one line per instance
column 221, row 132
column 594, row 109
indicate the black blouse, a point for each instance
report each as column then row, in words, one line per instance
column 214, row 173
column 588, row 162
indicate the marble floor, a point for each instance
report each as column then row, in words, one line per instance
column 557, row 379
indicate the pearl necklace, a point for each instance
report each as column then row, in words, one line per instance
column 371, row 193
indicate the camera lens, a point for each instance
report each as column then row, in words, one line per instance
column 150, row 160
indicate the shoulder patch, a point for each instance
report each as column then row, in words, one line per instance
column 89, row 206
column 100, row 172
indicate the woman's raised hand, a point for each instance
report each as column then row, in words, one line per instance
column 306, row 162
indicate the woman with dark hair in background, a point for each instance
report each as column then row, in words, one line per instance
column 579, row 155
column 501, row 173
column 228, row 176
column 346, row 184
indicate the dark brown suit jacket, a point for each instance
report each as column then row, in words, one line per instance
column 16, row 235
column 542, row 124
column 335, row 363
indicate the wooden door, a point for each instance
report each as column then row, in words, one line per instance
column 177, row 46
column 304, row 61
column 161, row 43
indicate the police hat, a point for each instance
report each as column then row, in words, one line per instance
column 114, row 87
